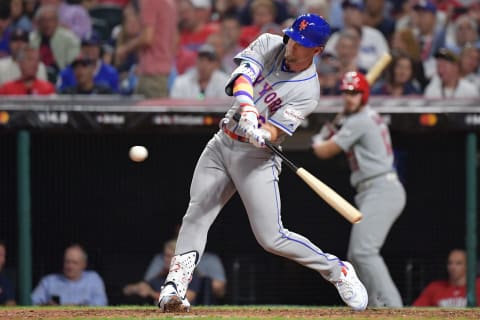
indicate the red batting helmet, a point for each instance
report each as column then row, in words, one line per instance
column 356, row 82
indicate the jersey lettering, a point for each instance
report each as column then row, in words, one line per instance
column 270, row 97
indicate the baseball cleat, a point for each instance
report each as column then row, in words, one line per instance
column 170, row 300
column 351, row 290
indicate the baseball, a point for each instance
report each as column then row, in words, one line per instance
column 138, row 153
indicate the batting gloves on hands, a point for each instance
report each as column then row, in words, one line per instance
column 248, row 122
column 258, row 137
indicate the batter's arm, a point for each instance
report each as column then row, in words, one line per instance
column 275, row 133
column 326, row 149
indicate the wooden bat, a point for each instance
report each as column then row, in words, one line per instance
column 378, row 68
column 336, row 201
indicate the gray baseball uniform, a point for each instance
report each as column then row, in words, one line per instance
column 228, row 165
column 380, row 197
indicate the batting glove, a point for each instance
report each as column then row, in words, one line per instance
column 258, row 137
column 248, row 121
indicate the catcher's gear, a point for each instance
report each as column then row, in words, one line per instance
column 354, row 81
column 309, row 30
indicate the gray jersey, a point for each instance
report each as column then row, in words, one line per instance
column 282, row 98
column 365, row 138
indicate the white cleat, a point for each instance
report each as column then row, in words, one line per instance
column 170, row 300
column 351, row 290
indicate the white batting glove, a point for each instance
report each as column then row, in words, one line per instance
column 258, row 137
column 248, row 121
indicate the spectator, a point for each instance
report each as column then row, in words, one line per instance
column 105, row 75
column 83, row 69
column 403, row 41
column 58, row 46
column 30, row 7
column 328, row 75
column 470, row 64
column 263, row 13
column 28, row 60
column 204, row 81
column 9, row 69
column 348, row 50
column 7, row 291
column 430, row 37
column 194, row 23
column 156, row 43
column 245, row 12
column 465, row 31
column 376, row 17
column 122, row 34
column 19, row 18
column 318, row 7
column 372, row 43
column 151, row 286
column 448, row 83
column 75, row 286
column 230, row 32
column 363, row 136
column 451, row 292
column 72, row 16
column 5, row 28
column 399, row 81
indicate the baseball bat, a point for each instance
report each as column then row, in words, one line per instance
column 336, row 201
column 378, row 68
column 331, row 197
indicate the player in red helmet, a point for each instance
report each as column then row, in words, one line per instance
column 361, row 133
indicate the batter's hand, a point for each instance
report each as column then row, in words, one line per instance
column 258, row 137
column 327, row 131
column 248, row 121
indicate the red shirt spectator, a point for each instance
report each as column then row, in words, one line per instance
column 28, row 59
column 451, row 292
column 194, row 22
column 19, row 87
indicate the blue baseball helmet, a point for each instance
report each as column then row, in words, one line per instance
column 309, row 30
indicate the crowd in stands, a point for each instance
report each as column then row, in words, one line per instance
column 185, row 48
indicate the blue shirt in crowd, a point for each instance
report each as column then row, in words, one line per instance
column 6, row 289
column 89, row 290
column 106, row 75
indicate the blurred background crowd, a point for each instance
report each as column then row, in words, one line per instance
column 184, row 48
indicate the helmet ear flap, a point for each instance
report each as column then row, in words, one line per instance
column 285, row 39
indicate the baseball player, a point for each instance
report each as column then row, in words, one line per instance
column 365, row 139
column 275, row 87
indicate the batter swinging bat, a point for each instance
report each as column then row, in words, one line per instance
column 336, row 201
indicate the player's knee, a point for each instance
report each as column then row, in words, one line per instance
column 268, row 244
column 359, row 254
